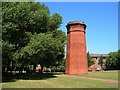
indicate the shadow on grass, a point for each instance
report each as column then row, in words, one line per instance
column 29, row 76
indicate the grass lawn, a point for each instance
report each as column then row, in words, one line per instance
column 60, row 81
column 113, row 75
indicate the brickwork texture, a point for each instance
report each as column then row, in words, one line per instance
column 76, row 59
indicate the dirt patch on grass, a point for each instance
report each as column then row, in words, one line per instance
column 99, row 79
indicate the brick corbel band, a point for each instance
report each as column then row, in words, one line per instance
column 76, row 31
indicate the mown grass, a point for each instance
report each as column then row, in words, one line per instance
column 113, row 75
column 59, row 81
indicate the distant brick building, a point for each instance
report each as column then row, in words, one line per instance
column 96, row 66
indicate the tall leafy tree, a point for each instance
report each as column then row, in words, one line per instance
column 29, row 27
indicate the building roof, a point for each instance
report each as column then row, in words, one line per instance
column 98, row 55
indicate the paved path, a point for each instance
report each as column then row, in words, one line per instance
column 98, row 79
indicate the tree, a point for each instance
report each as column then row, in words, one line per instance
column 29, row 27
column 101, row 60
column 112, row 61
column 45, row 49
column 21, row 18
column 7, row 54
column 90, row 61
column 118, row 59
column 59, row 66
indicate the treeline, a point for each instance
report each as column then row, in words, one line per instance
column 111, row 62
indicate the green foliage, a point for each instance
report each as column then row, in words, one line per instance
column 59, row 66
column 43, row 48
column 118, row 57
column 7, row 53
column 90, row 61
column 113, row 60
column 29, row 27
column 22, row 17
column 55, row 21
column 101, row 60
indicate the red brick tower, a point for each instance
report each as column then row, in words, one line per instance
column 76, row 59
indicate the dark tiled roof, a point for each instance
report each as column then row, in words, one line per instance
column 98, row 55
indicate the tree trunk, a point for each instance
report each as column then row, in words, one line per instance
column 41, row 71
column 34, row 68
